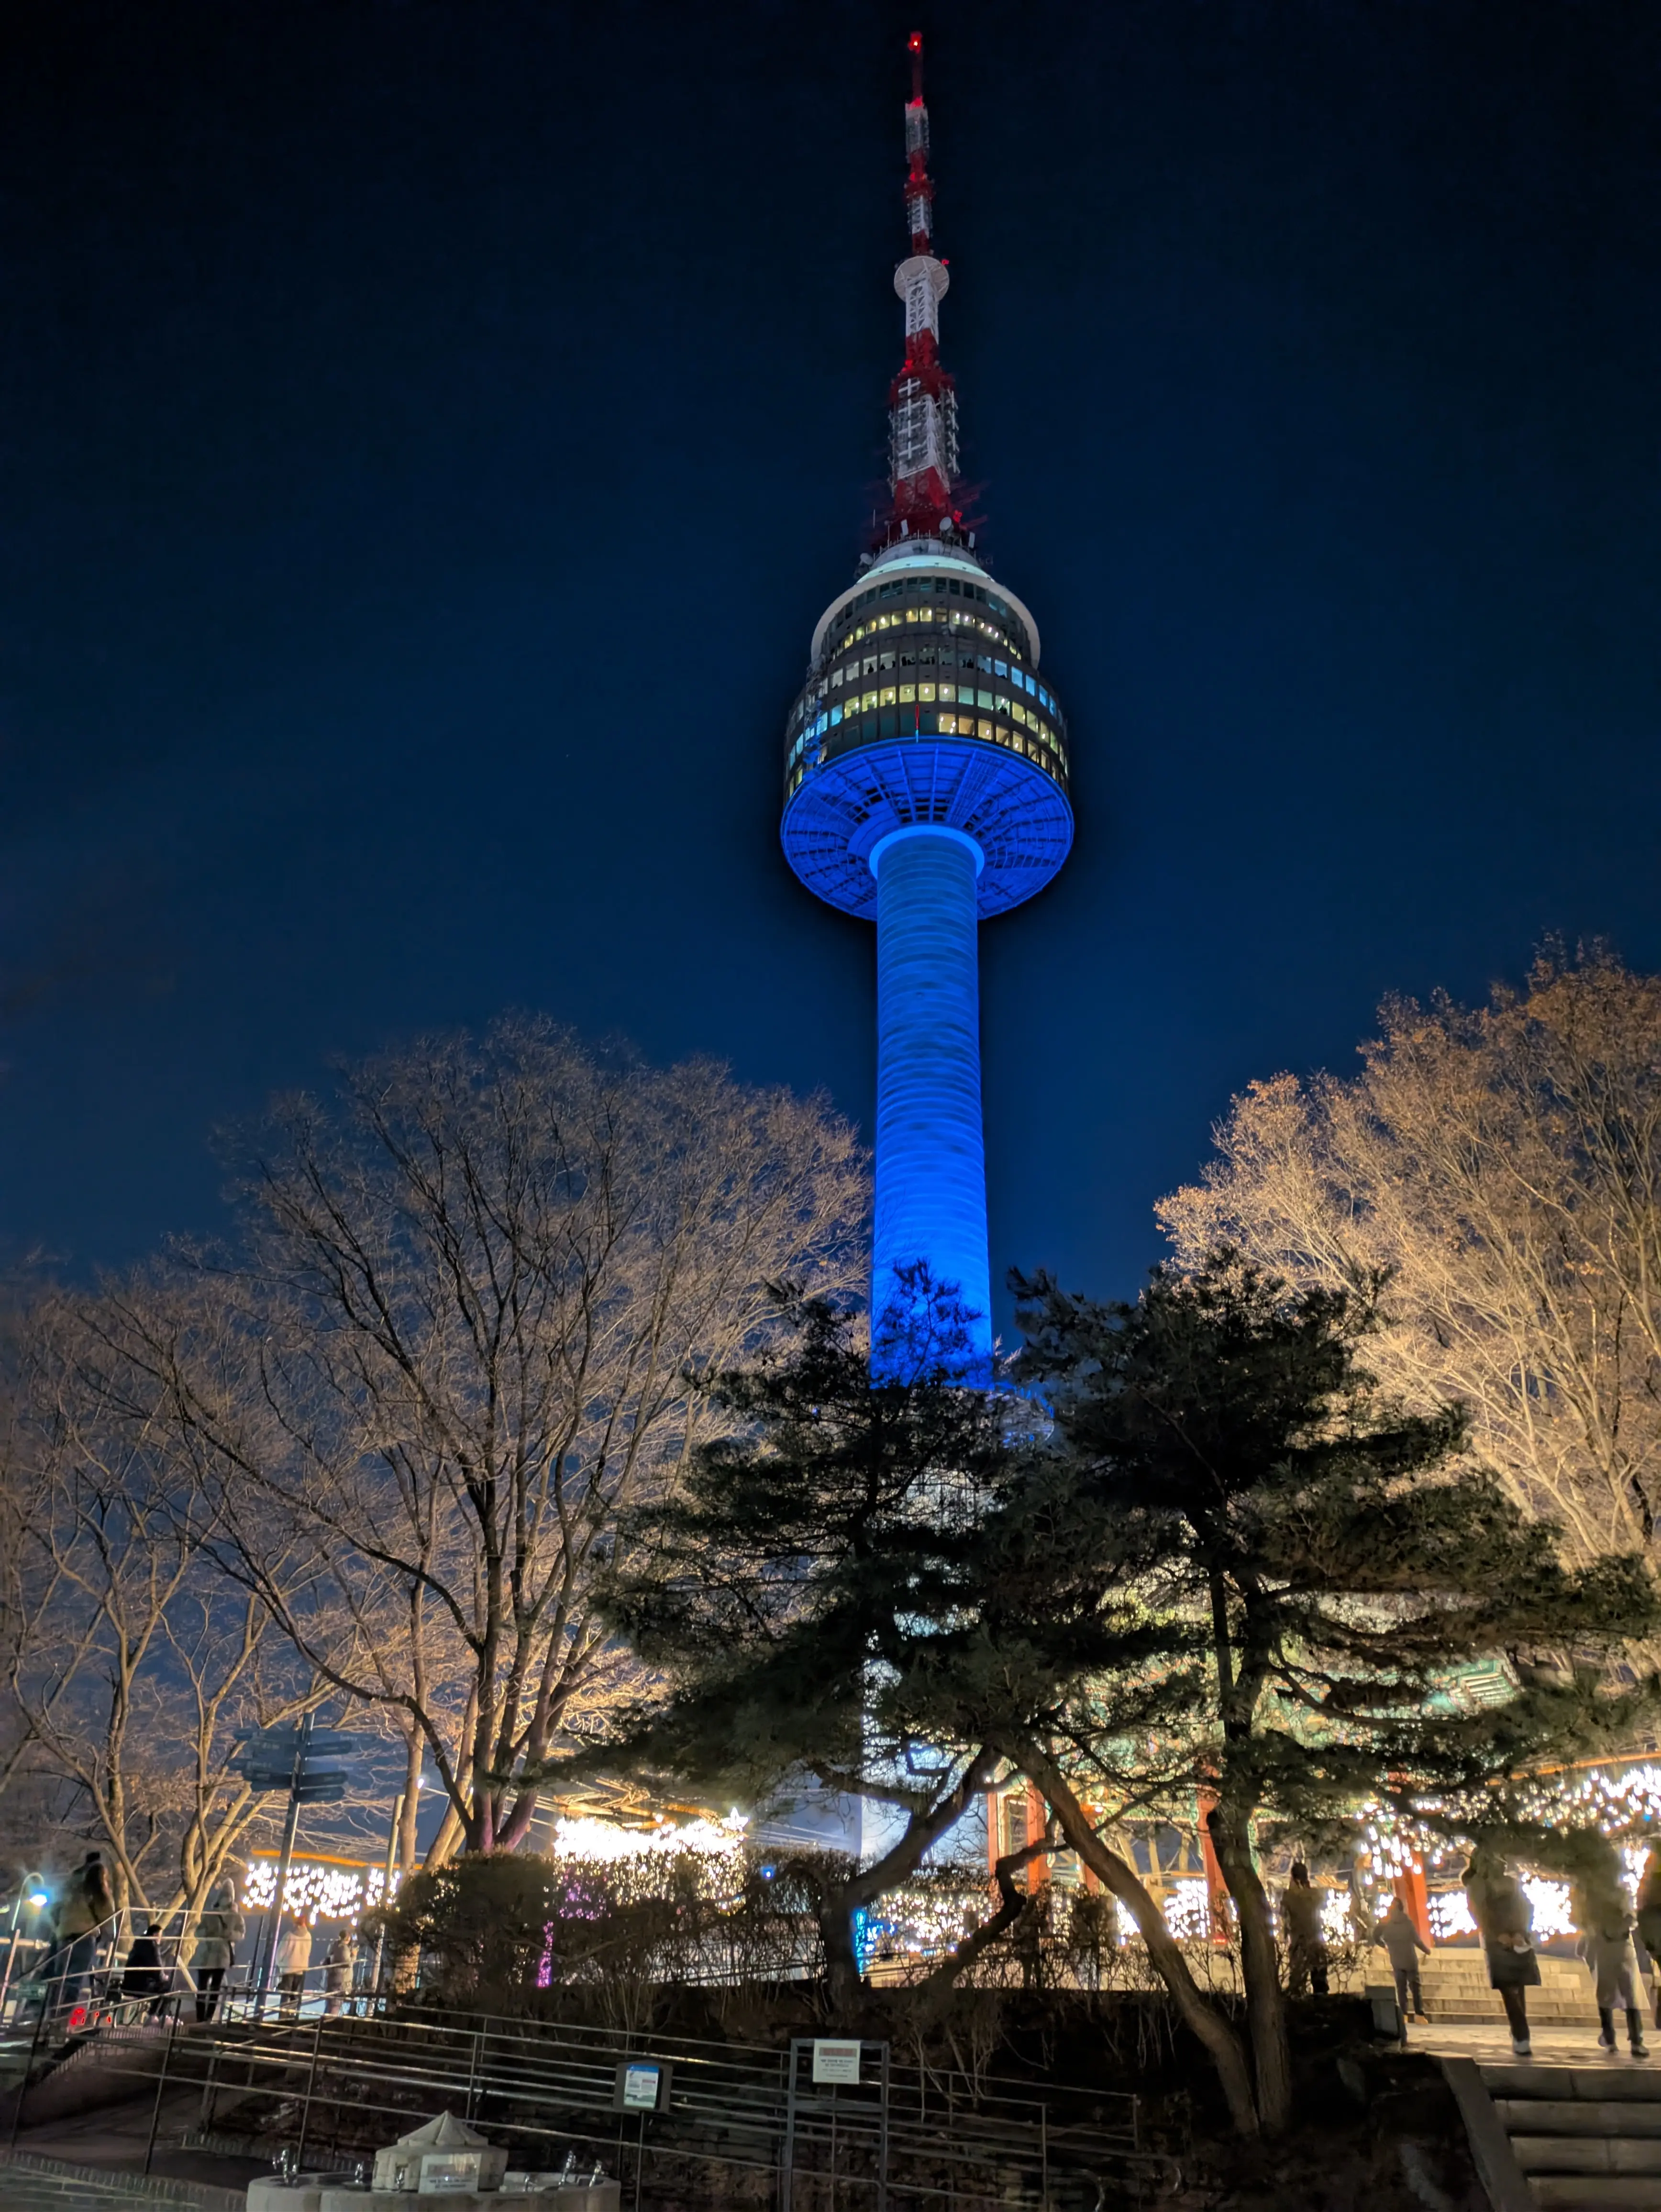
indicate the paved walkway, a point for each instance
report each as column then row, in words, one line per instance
column 1555, row 2046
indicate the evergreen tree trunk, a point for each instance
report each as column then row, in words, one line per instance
column 842, row 1966
column 1202, row 2017
column 1260, row 1968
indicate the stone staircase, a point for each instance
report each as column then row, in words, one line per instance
column 1570, row 2138
column 1455, row 1988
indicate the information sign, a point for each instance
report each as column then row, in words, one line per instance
column 835, row 2061
column 643, row 2086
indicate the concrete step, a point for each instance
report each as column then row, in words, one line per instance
column 1587, row 2193
column 1575, row 2115
column 1591, row 2083
column 1587, row 2154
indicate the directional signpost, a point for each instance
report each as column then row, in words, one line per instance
column 295, row 1760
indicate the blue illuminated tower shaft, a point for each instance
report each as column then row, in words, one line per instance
column 931, row 1152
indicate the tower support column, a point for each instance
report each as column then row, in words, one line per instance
column 931, row 1152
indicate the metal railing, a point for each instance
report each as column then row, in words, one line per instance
column 737, row 2118
column 74, row 1986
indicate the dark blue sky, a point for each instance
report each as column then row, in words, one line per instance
column 431, row 429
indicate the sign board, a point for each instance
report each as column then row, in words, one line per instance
column 280, row 1748
column 835, row 2061
column 643, row 2086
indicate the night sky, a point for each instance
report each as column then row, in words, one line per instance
column 431, row 428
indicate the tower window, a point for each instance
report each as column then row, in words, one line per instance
column 925, row 690
column 908, row 694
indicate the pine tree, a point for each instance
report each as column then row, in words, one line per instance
column 1250, row 1576
column 782, row 1593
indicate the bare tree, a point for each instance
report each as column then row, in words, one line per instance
column 472, row 1304
column 1504, row 1164
column 133, row 1662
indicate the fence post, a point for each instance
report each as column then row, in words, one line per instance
column 311, row 2083
column 787, row 2156
column 473, row 2065
column 882, row 2142
column 23, row 2087
column 160, row 2087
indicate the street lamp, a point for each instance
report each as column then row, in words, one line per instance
column 32, row 1891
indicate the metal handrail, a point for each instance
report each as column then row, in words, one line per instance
column 729, row 2103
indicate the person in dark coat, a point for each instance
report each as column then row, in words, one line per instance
column 1504, row 1915
column 144, row 1976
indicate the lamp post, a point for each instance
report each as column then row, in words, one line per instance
column 32, row 1891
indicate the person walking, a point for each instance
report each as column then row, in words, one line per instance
column 339, row 1962
column 87, row 1902
column 1649, row 1916
column 219, row 1929
column 293, row 1958
column 1504, row 1915
column 1401, row 1938
column 1305, row 1938
column 1606, row 1923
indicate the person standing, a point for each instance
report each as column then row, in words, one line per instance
column 144, row 1976
column 1649, row 1916
column 1504, row 1915
column 219, row 1929
column 1401, row 1938
column 1606, row 1923
column 293, row 1958
column 87, row 1902
column 339, row 1962
column 1305, row 1938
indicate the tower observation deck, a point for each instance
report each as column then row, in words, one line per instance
column 926, row 786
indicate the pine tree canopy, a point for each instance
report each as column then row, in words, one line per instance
column 1307, row 1564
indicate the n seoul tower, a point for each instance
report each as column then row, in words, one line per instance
column 925, row 784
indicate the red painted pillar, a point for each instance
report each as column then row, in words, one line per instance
column 1037, row 1870
column 1216, row 1888
column 1410, row 1888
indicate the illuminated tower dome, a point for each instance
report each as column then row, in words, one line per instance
column 925, row 785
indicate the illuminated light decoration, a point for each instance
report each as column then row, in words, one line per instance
column 318, row 1888
column 919, row 793
column 656, row 1857
column 1188, row 1909
column 607, row 1842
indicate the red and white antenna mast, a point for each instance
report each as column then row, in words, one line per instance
column 922, row 403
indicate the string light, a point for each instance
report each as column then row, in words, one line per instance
column 316, row 1889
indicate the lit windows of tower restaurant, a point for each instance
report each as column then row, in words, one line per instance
column 926, row 786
